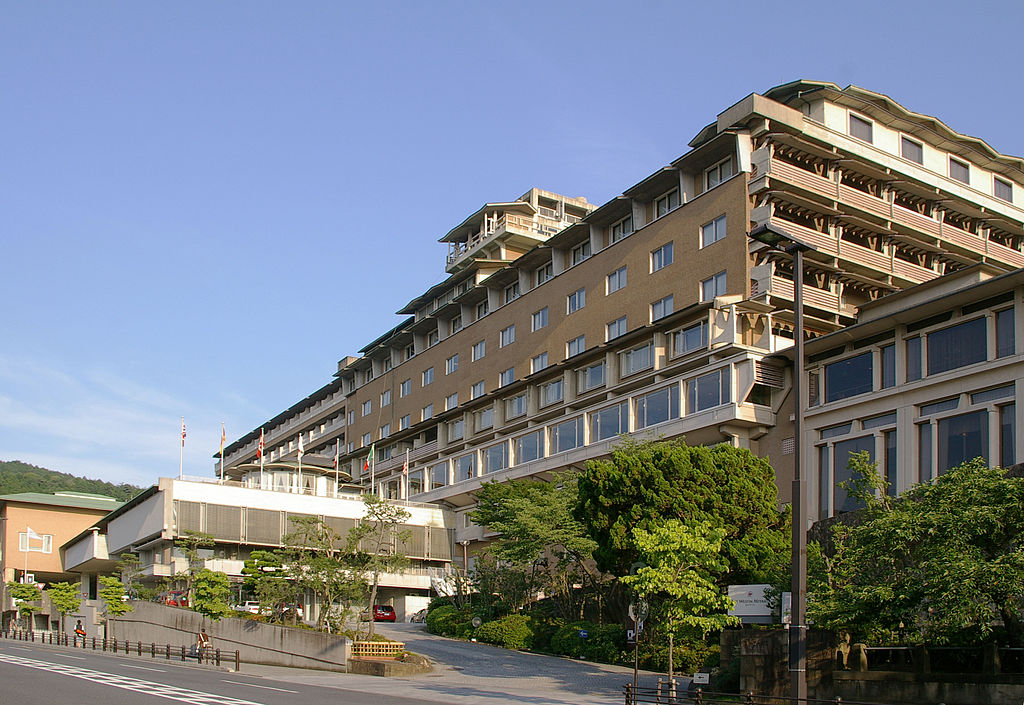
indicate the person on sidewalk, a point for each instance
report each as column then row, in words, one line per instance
column 79, row 632
column 203, row 644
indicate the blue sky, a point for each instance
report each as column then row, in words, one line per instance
column 206, row 205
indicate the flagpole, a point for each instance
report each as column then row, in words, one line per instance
column 222, row 437
column 300, row 462
column 260, row 448
column 373, row 469
column 181, row 453
column 337, row 452
column 405, row 474
column 28, row 547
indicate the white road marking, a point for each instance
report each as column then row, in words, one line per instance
column 160, row 690
column 80, row 658
column 265, row 687
column 144, row 668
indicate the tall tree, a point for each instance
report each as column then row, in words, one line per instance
column 269, row 580
column 212, row 590
column 114, row 598
column 65, row 598
column 25, row 596
column 945, row 559
column 191, row 544
column 321, row 560
column 130, row 569
column 377, row 537
column 644, row 484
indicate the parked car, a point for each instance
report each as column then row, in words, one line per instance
column 250, row 606
column 173, row 598
column 420, row 616
column 381, row 613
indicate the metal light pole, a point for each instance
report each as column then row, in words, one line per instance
column 779, row 239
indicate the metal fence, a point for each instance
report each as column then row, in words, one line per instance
column 207, row 654
column 672, row 693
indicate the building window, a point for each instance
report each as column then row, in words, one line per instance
column 1005, row 339
column 567, row 435
column 957, row 346
column 1002, row 190
column 543, row 273
column 718, row 173
column 913, row 358
column 479, row 350
column 484, row 419
column 666, row 203
column 637, row 359
column 366, row 439
column 610, row 422
column 590, row 377
column 551, row 392
column 410, row 351
column 661, row 257
column 385, row 364
column 576, row 300
column 911, row 150
column 657, row 407
column 385, row 397
column 712, row 232
column 405, row 388
column 888, row 353
column 42, row 544
column 576, row 346
column 351, row 417
column 539, row 362
column 540, row 319
column 427, row 412
column 451, row 401
column 477, row 390
column 482, row 309
column 615, row 328
column 456, row 430
column 662, row 307
column 367, row 407
column 622, row 228
column 961, row 438
column 368, row 376
column 512, row 292
column 849, row 377
column 438, row 475
column 451, row 364
column 385, row 430
column 959, row 170
column 860, row 128
column 465, row 467
column 529, row 447
column 496, row 458
column 1007, row 430
column 428, row 376
column 507, row 377
column 832, row 488
column 691, row 338
column 433, row 338
column 515, row 406
column 455, row 325
column 708, row 391
column 579, row 253
column 507, row 336
column 416, row 482
column 617, row 280
column 712, row 287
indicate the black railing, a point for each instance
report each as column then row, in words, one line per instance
column 206, row 654
column 672, row 693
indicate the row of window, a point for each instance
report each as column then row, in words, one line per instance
column 948, row 432
column 913, row 150
column 703, row 392
column 940, row 349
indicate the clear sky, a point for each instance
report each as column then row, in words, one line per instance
column 205, row 205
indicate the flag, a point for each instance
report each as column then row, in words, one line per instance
column 223, row 439
column 182, row 431
column 369, row 456
column 337, row 450
column 32, row 534
column 301, row 449
column 405, row 468
column 259, row 448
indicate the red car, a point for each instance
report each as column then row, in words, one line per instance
column 173, row 598
column 383, row 613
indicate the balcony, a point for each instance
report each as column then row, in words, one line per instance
column 518, row 230
column 777, row 287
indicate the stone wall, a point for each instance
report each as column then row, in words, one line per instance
column 256, row 642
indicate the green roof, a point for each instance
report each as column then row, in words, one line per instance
column 79, row 500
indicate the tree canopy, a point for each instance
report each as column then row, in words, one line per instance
column 17, row 477
column 644, row 484
column 945, row 559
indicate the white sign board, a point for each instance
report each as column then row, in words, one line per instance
column 701, row 678
column 750, row 601
column 787, row 607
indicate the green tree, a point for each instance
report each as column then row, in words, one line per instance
column 211, row 590
column 377, row 537
column 321, row 560
column 539, row 537
column 644, row 484
column 25, row 595
column 945, row 559
column 131, row 574
column 191, row 544
column 65, row 598
column 681, row 564
column 113, row 595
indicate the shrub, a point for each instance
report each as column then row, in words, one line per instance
column 512, row 632
column 604, row 643
column 441, row 619
column 439, row 601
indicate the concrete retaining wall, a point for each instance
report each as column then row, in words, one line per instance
column 268, row 644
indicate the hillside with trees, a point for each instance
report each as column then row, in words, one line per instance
column 16, row 477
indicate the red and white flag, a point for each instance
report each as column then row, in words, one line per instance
column 405, row 468
column 302, row 450
column 182, row 431
column 259, row 448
